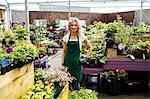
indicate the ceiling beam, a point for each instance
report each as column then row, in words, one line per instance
column 104, row 1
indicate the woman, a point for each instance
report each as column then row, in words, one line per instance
column 72, row 44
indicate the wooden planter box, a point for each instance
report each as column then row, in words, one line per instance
column 17, row 82
column 64, row 93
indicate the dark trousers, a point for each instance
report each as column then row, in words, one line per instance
column 74, row 86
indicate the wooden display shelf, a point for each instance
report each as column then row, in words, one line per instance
column 16, row 82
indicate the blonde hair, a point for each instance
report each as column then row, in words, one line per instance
column 72, row 19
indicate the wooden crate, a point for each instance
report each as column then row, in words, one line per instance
column 16, row 82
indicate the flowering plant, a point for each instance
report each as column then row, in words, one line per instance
column 9, row 49
column 117, row 73
column 121, row 72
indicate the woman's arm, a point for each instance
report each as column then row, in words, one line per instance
column 64, row 51
column 89, row 46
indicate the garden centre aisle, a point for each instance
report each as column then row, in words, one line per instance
column 55, row 60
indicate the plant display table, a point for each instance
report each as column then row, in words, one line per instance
column 92, row 72
column 128, row 64
column 125, row 63
column 89, row 70
column 16, row 82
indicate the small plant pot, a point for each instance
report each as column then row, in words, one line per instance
column 92, row 62
column 5, row 65
column 110, row 44
column 111, row 86
column 20, row 64
column 124, row 84
column 6, row 69
column 119, row 52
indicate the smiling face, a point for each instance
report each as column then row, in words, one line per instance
column 74, row 27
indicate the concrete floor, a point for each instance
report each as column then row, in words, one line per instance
column 55, row 60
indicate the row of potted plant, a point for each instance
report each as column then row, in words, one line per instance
column 117, row 34
column 15, row 50
column 127, row 38
column 50, row 83
column 113, row 81
column 19, row 55
column 97, row 38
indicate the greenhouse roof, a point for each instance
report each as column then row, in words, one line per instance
column 96, row 6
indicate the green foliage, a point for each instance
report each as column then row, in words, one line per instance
column 41, row 50
column 123, row 32
column 56, row 25
column 118, row 73
column 83, row 94
column 52, row 44
column 118, row 32
column 24, row 53
column 143, row 27
column 1, row 54
column 107, row 74
column 38, row 75
column 139, row 48
column 20, row 32
column 7, row 39
column 36, row 38
column 96, row 37
column 110, row 31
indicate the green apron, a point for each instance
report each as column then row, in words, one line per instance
column 72, row 58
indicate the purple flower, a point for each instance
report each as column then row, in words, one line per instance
column 9, row 50
column 22, row 23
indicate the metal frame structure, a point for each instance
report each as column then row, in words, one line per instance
column 26, row 3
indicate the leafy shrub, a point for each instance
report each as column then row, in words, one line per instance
column 83, row 94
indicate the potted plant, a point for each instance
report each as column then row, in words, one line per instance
column 96, row 37
column 83, row 94
column 52, row 47
column 111, row 81
column 4, row 62
column 110, row 31
column 36, row 37
column 42, row 52
column 20, row 31
column 22, row 54
column 52, row 44
column 140, row 49
column 8, row 39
